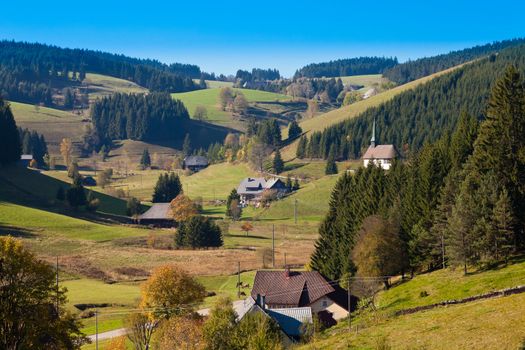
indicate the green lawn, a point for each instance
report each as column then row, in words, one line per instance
column 209, row 98
column 225, row 286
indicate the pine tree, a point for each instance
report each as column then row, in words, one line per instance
column 294, row 130
column 186, row 146
column 278, row 164
column 9, row 137
column 331, row 166
column 145, row 160
column 301, row 147
column 503, row 225
column 167, row 188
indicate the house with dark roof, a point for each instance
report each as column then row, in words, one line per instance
column 379, row 155
column 89, row 181
column 298, row 289
column 195, row 163
column 251, row 189
column 159, row 214
column 25, row 160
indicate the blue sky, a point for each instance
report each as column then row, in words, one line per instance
column 222, row 36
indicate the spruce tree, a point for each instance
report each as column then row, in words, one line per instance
column 233, row 196
column 301, row 148
column 145, row 160
column 331, row 166
column 167, row 188
column 278, row 164
column 186, row 146
column 294, row 130
column 9, row 139
column 503, row 226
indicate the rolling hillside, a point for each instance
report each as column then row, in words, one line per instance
column 325, row 120
column 209, row 98
column 485, row 324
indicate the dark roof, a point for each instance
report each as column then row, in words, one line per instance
column 256, row 185
column 300, row 288
column 89, row 181
column 196, row 161
column 158, row 211
column 380, row 152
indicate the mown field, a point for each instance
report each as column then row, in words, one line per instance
column 99, row 86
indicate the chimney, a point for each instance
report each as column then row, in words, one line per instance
column 287, row 272
column 263, row 302
column 258, row 300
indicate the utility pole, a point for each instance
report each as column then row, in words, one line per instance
column 58, row 313
column 238, row 279
column 349, row 306
column 273, row 245
column 295, row 211
column 96, row 329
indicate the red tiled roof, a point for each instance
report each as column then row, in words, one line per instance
column 300, row 289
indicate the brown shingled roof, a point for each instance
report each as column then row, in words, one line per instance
column 301, row 288
column 380, row 152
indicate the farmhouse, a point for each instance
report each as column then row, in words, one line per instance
column 251, row 189
column 195, row 163
column 158, row 215
column 287, row 289
column 379, row 155
column 89, row 181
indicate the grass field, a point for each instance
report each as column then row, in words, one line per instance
column 54, row 124
column 44, row 189
column 209, row 98
column 477, row 325
column 367, row 80
column 99, row 86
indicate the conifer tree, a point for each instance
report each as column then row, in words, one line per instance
column 301, row 147
column 186, row 146
column 9, row 138
column 331, row 166
column 145, row 160
column 503, row 226
column 167, row 188
column 233, row 196
column 289, row 185
column 278, row 164
column 294, row 130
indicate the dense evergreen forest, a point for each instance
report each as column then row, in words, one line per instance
column 344, row 67
column 458, row 201
column 412, row 70
column 155, row 117
column 33, row 143
column 417, row 116
column 29, row 72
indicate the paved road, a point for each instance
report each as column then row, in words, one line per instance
column 237, row 305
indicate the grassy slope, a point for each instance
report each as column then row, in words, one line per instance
column 53, row 123
column 366, row 80
column 209, row 98
column 45, row 188
column 103, row 85
column 478, row 325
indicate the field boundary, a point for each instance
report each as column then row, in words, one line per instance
column 490, row 295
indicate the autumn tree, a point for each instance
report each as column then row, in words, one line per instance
column 200, row 113
column 181, row 333
column 117, row 343
column 225, row 97
column 240, row 104
column 312, row 108
column 140, row 329
column 379, row 250
column 33, row 313
column 183, row 208
column 66, row 150
column 235, row 209
column 133, row 207
column 231, row 197
column 170, row 292
column 247, row 227
column 219, row 327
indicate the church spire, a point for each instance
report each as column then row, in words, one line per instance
column 373, row 139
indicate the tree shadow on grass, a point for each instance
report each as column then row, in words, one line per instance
column 14, row 231
column 249, row 236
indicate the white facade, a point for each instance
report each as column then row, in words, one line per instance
column 383, row 163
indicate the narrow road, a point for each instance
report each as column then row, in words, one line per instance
column 237, row 305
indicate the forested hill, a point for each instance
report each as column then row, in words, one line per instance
column 28, row 70
column 418, row 116
column 345, row 67
column 156, row 118
column 412, row 70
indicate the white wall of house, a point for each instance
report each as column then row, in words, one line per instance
column 383, row 163
column 327, row 304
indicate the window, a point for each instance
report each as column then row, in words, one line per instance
column 324, row 303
